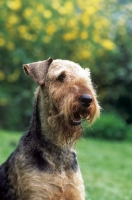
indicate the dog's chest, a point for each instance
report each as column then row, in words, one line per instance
column 58, row 186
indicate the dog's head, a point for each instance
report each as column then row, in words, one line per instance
column 67, row 92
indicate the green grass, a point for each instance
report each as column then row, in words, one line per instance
column 106, row 166
column 8, row 142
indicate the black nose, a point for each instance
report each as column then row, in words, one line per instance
column 85, row 100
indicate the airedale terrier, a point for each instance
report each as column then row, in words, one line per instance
column 44, row 165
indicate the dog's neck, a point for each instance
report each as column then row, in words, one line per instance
column 51, row 125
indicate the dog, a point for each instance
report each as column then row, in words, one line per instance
column 44, row 165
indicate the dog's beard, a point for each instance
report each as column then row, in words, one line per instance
column 63, row 131
column 65, row 120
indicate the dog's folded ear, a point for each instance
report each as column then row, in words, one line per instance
column 38, row 70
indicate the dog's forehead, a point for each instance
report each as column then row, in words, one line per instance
column 69, row 67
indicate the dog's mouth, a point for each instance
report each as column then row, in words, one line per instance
column 76, row 119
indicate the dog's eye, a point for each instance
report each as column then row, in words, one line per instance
column 61, row 77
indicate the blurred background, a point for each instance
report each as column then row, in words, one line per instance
column 94, row 33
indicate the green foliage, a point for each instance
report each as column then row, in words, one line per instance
column 96, row 34
column 109, row 126
column 129, row 133
column 114, row 75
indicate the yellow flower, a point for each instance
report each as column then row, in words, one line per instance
column 84, row 53
column 68, row 6
column 102, row 23
column 56, row 5
column 50, row 28
column 98, row 25
column 13, row 19
column 84, row 35
column 14, row 4
column 2, row 41
column 28, row 12
column 107, row 44
column 85, row 20
column 71, row 35
column 2, row 75
column 72, row 23
column 22, row 29
column 91, row 10
column 36, row 23
column 41, row 8
column 62, row 10
column 47, row 14
column 29, row 37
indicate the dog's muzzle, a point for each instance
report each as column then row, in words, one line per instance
column 85, row 101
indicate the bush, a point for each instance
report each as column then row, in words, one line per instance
column 61, row 29
column 109, row 126
column 129, row 133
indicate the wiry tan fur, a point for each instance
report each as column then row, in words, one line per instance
column 35, row 185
